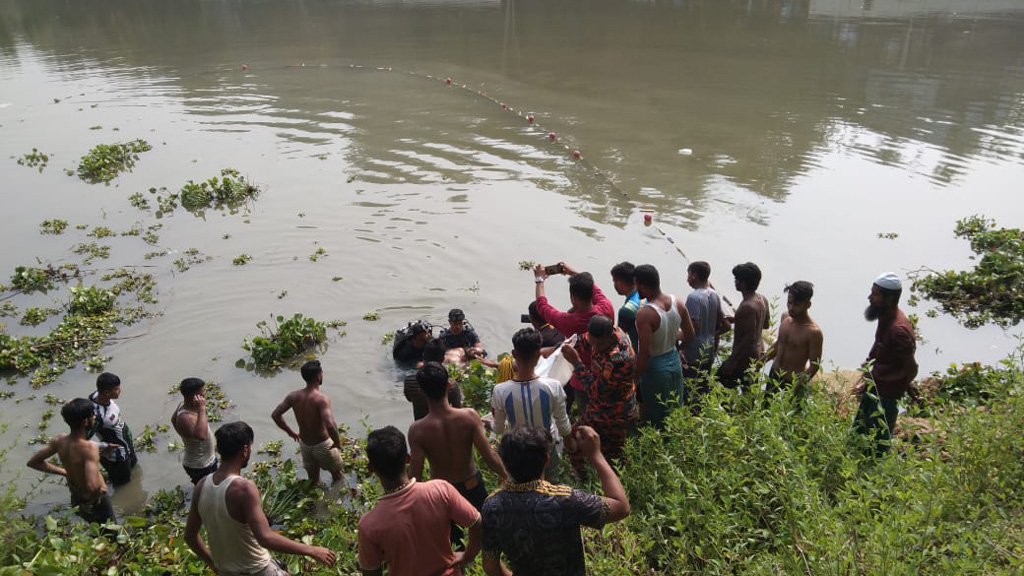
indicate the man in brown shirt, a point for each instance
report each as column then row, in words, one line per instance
column 890, row 367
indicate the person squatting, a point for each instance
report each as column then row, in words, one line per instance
column 630, row 368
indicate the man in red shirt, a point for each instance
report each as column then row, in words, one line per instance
column 587, row 301
column 890, row 367
column 408, row 528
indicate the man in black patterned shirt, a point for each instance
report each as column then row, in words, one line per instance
column 536, row 525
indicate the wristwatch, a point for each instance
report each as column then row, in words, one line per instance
column 538, row 280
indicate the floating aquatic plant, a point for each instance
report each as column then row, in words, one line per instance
column 34, row 159
column 284, row 341
column 107, row 161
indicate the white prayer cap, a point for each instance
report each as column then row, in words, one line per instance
column 889, row 281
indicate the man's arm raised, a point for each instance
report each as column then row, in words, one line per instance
column 590, row 444
column 278, row 416
column 257, row 522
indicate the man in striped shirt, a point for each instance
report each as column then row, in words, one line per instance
column 528, row 400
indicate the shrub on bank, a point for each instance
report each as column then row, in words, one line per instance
column 735, row 490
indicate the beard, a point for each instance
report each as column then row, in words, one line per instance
column 872, row 313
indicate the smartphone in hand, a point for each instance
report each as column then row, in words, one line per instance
column 554, row 269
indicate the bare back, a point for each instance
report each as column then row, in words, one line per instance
column 446, row 439
column 799, row 345
column 308, row 405
column 81, row 459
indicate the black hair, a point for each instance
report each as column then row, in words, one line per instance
column 76, row 411
column 310, row 370
column 623, row 271
column 527, row 342
column 700, row 269
column 232, row 438
column 749, row 274
column 107, row 381
column 386, row 451
column 189, row 386
column 647, row 276
column 582, row 286
column 533, row 311
column 433, row 380
column 600, row 326
column 801, row 290
column 433, row 350
column 524, row 452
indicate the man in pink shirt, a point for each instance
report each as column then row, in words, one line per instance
column 408, row 528
column 587, row 301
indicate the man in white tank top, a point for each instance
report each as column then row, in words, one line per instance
column 236, row 527
column 662, row 322
column 190, row 422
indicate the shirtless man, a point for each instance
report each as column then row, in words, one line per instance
column 751, row 318
column 81, row 461
column 446, row 437
column 318, row 434
column 797, row 352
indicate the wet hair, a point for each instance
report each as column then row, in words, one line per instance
column 107, row 381
column 623, row 271
column 581, row 286
column 524, row 452
column 748, row 273
column 232, row 438
column 700, row 269
column 533, row 311
column 433, row 350
column 433, row 380
column 600, row 326
column 527, row 342
column 386, row 451
column 310, row 370
column 76, row 411
column 647, row 275
column 189, row 386
column 801, row 291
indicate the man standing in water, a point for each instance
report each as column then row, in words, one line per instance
column 751, row 318
column 189, row 421
column 318, row 437
column 236, row 527
column 658, row 368
column 112, row 429
column 80, row 459
column 446, row 437
column 797, row 352
column 890, row 367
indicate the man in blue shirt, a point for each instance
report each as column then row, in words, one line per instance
column 625, row 285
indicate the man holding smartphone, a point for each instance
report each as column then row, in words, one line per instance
column 587, row 301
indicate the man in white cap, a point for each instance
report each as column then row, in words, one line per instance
column 890, row 367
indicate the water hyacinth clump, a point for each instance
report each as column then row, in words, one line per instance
column 107, row 161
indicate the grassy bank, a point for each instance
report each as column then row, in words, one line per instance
column 736, row 490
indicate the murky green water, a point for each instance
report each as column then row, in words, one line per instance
column 812, row 128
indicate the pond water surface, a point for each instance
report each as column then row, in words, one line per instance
column 788, row 133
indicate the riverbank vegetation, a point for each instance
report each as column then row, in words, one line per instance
column 735, row 490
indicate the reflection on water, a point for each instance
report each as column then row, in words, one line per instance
column 759, row 90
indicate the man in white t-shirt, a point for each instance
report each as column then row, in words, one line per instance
column 528, row 400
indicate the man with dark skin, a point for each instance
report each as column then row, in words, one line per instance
column 797, row 352
column 750, row 319
column 236, row 527
column 446, row 437
column 318, row 434
column 660, row 323
column 890, row 368
column 80, row 459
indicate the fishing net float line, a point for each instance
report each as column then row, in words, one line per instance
column 531, row 120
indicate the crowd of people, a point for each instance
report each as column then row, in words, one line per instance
column 630, row 368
